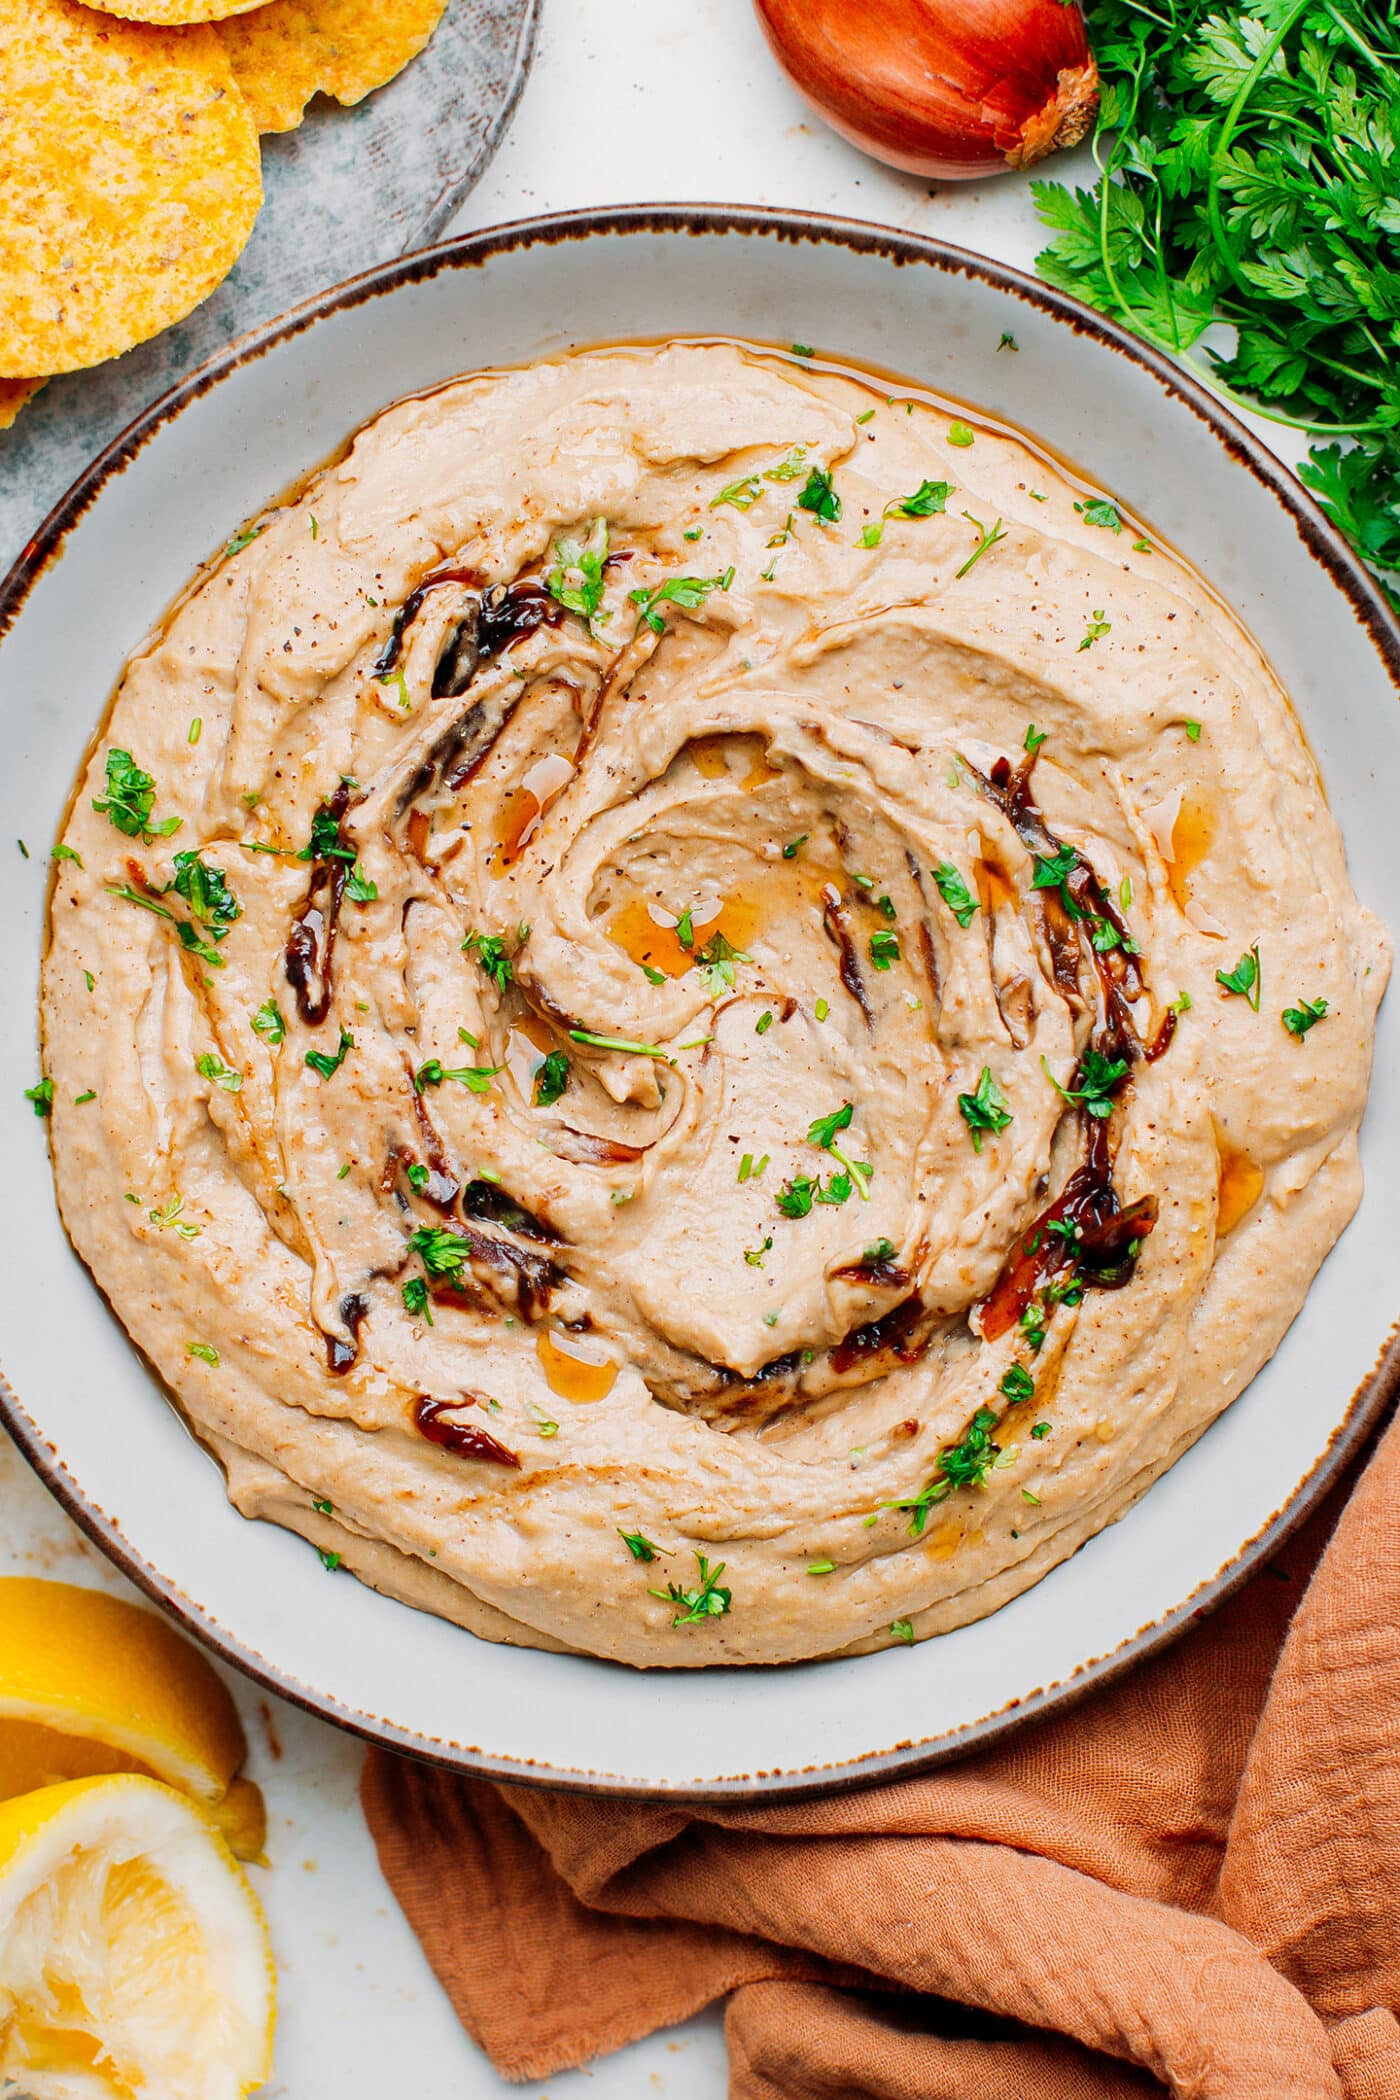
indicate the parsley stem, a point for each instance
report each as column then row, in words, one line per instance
column 617, row 1042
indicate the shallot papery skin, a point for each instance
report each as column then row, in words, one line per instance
column 949, row 88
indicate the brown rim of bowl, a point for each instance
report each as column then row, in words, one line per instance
column 1372, row 1398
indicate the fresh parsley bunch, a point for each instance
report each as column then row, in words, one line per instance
column 1250, row 175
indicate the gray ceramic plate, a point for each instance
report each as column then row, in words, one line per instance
column 216, row 450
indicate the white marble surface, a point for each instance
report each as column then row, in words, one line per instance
column 629, row 101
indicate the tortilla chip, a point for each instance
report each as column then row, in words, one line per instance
column 172, row 14
column 131, row 181
column 13, row 395
column 289, row 50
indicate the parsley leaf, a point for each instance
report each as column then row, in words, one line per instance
column 689, row 592
column 985, row 1109
column 1097, row 1081
column 552, row 1079
column 823, row 1131
column 206, row 892
column 329, row 1062
column 964, row 1464
column 707, row 1601
column 716, row 962
column 211, row 1067
column 1099, row 511
column 638, row 1544
column 576, row 580
column 1098, row 627
column 987, row 536
column 1299, row 1019
column 477, row 1077
column 955, row 892
column 819, row 497
column 490, row 952
column 130, row 800
column 1246, row 980
column 268, row 1022
column 41, row 1097
column 441, row 1252
column 416, row 1299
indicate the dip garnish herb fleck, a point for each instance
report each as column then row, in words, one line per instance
column 884, row 949
column 490, row 952
column 576, row 580
column 130, row 800
column 1099, row 511
column 477, row 1077
column 903, row 1630
column 616, row 1042
column 441, row 1252
column 327, row 1062
column 689, row 592
column 211, row 1067
column 1305, row 1015
column 743, row 493
column 415, row 1299
column 1016, row 1383
column 40, row 1096
column 269, row 1023
column 205, row 1351
column 1246, row 980
column 960, row 434
column 955, row 892
column 707, row 1601
column 1034, row 738
column 819, row 497
column 987, row 536
column 552, row 1079
column 1097, row 627
column 638, row 1544
column 716, row 962
column 984, row 1109
column 964, row 1464
column 1099, row 1078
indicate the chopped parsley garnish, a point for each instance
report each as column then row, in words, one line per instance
column 576, row 580
column 1016, row 1383
column 1099, row 1079
column 188, row 936
column 205, row 1351
column 329, row 1561
column 441, row 1252
column 964, row 1464
column 1193, row 731
column 1032, row 1325
column 1246, row 980
column 240, row 540
column 67, row 853
column 754, row 1255
column 716, row 962
column 326, row 1062
column 206, row 892
column 821, row 1567
column 868, row 417
column 616, row 1042
column 268, row 1022
column 903, row 1630
column 743, row 493
column 764, row 1022
column 987, row 536
column 1040, row 1430
column 1299, row 1019
column 1034, row 738
column 41, row 1097
column 689, row 592
column 638, row 1544
column 823, row 1131
column 960, row 434
column 883, row 1250
column 552, row 1079
column 794, row 846
column 359, row 887
column 415, row 1299
column 130, row 800
column 209, row 1066
column 819, row 497
column 1181, row 1004
column 79, row 1100
column 1099, row 511
column 803, row 350
column 928, row 498
column 788, row 468
column 653, row 976
column 821, row 1009
column 418, row 1176
column 490, row 952
column 706, row 1601
column 685, row 928
column 478, row 1077
column 325, row 842
column 796, row 1197
column 1097, row 627
column 748, row 1171
column 884, row 948
column 168, row 1215
column 1052, row 871
column 985, row 1109
column 955, row 892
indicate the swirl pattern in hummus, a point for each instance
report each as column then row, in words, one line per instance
column 707, row 1075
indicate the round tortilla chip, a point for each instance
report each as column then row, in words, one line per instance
column 289, row 50
column 131, row 181
column 173, row 14
column 13, row 395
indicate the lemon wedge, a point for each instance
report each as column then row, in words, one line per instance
column 90, row 1684
column 134, row 1957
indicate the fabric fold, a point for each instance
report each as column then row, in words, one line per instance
column 1189, row 1882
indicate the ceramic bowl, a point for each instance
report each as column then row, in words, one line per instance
column 81, row 1402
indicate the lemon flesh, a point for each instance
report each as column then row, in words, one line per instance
column 91, row 1684
column 134, row 1956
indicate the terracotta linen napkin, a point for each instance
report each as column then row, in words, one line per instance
column 1189, row 1881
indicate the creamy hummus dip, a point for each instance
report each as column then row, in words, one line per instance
column 700, row 1015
